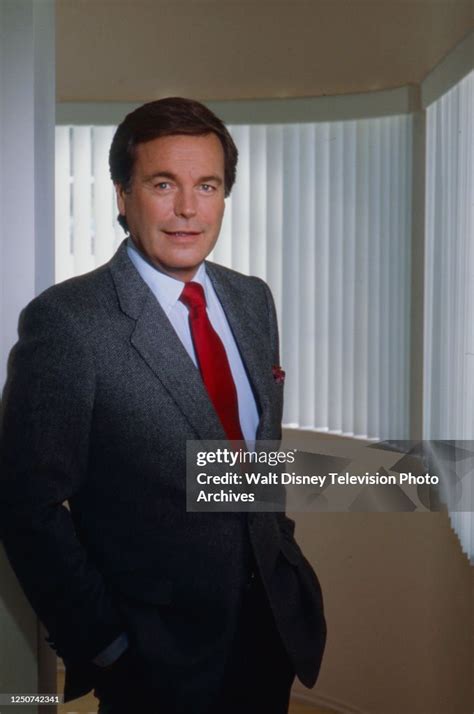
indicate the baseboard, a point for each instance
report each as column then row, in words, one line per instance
column 328, row 702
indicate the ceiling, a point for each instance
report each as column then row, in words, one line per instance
column 136, row 50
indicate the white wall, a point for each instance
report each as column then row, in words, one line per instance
column 27, row 89
column 27, row 159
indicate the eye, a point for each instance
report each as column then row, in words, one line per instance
column 207, row 187
column 162, row 185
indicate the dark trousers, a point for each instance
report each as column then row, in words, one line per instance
column 258, row 674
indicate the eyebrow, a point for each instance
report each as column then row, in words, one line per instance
column 173, row 177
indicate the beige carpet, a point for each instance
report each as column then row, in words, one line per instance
column 88, row 704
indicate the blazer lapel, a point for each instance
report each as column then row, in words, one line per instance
column 158, row 344
column 249, row 341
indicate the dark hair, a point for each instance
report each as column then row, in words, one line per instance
column 166, row 117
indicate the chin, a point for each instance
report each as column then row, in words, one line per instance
column 187, row 263
column 181, row 271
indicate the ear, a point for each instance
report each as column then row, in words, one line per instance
column 120, row 193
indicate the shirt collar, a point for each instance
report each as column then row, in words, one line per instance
column 166, row 289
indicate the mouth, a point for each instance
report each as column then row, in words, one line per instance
column 182, row 234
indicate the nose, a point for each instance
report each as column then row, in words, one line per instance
column 185, row 204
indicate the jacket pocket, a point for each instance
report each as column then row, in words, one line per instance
column 306, row 574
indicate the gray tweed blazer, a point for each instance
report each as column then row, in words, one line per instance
column 100, row 399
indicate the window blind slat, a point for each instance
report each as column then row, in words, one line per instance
column 322, row 277
column 306, row 263
column 258, row 212
column 362, row 278
column 336, row 338
column 64, row 264
column 291, row 278
column 274, row 211
column 349, row 276
column 241, row 203
column 104, row 231
column 82, row 214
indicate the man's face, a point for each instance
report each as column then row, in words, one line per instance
column 175, row 204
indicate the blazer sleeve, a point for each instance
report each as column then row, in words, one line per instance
column 44, row 437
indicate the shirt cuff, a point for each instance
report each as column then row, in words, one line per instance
column 112, row 652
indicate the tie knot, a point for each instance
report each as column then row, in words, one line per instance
column 193, row 296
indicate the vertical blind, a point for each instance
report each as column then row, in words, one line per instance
column 321, row 212
column 449, row 280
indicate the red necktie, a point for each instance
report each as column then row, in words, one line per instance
column 212, row 360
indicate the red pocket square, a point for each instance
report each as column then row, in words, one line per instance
column 278, row 374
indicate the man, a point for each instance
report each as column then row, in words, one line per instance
column 157, row 609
